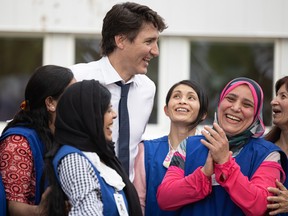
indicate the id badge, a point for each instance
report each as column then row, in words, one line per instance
column 122, row 210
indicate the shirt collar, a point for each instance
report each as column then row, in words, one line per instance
column 111, row 75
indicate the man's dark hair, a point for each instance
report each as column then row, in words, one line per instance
column 127, row 19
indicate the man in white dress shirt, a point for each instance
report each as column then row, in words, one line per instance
column 130, row 35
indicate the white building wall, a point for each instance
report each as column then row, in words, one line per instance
column 222, row 18
column 60, row 21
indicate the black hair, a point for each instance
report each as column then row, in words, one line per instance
column 48, row 80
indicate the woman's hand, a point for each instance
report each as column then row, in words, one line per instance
column 23, row 209
column 208, row 168
column 278, row 202
column 42, row 207
column 217, row 143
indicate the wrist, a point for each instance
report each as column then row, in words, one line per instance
column 207, row 174
column 223, row 160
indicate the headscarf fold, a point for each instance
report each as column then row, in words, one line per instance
column 257, row 128
column 79, row 120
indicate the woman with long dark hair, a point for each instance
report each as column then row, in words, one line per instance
column 28, row 136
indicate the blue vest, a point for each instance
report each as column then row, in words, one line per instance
column 107, row 191
column 37, row 149
column 155, row 153
column 218, row 203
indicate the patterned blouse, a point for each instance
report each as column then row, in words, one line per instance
column 17, row 169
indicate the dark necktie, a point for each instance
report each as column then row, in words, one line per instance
column 124, row 128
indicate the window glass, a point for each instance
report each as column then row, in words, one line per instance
column 19, row 57
column 213, row 64
column 89, row 50
column 153, row 75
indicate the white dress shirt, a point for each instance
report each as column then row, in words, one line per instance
column 140, row 100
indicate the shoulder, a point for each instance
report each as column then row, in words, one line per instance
column 262, row 143
column 20, row 133
column 15, row 138
column 194, row 139
column 155, row 143
column 75, row 164
column 19, row 130
column 74, row 157
column 15, row 143
column 194, row 144
column 84, row 66
column 157, row 140
column 261, row 147
column 89, row 70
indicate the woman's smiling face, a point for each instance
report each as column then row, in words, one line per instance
column 236, row 110
column 183, row 106
column 280, row 108
column 109, row 116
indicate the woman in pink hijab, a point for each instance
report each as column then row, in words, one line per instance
column 226, row 170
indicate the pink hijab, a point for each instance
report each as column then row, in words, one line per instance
column 257, row 128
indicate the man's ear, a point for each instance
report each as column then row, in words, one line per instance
column 50, row 104
column 119, row 40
